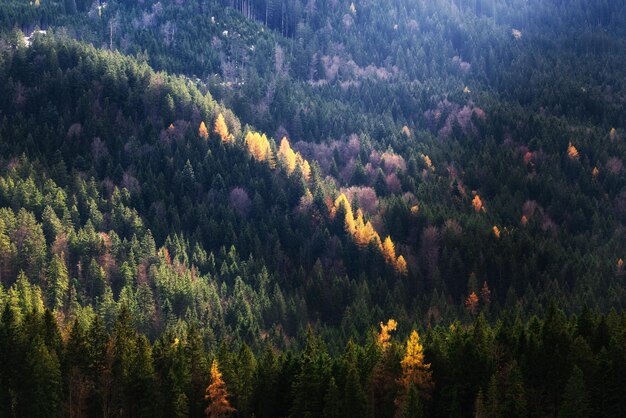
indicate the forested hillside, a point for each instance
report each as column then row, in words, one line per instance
column 327, row 208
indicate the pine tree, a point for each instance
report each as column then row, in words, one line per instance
column 353, row 395
column 57, row 282
column 219, row 405
column 575, row 400
column 44, row 388
column 332, row 400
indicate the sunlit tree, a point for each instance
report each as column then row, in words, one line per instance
column 203, row 132
column 217, row 395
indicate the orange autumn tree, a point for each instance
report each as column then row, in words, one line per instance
column 415, row 372
column 216, row 394
column 385, row 333
column 572, row 152
column 477, row 203
column 221, row 129
column 471, row 303
column 203, row 132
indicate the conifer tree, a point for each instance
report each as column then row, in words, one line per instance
column 203, row 132
column 57, row 282
column 217, row 395
column 221, row 129
column 414, row 370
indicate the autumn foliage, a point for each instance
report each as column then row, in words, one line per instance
column 385, row 332
column 477, row 203
column 364, row 233
column 471, row 303
column 259, row 147
column 290, row 159
column 572, row 152
column 415, row 372
column 216, row 394
column 221, row 129
column 203, row 132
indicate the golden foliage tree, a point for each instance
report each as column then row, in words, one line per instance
column 496, row 231
column 259, row 147
column 290, row 159
column 471, row 303
column 203, row 132
column 572, row 152
column 477, row 203
column 364, row 233
column 216, row 394
column 414, row 370
column 428, row 162
column 400, row 266
column 286, row 156
column 385, row 332
column 389, row 250
column 221, row 129
column 595, row 172
column 612, row 134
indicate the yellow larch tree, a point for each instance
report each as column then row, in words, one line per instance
column 389, row 250
column 259, row 147
column 612, row 134
column 221, row 129
column 291, row 159
column 203, row 132
column 400, row 266
column 385, row 333
column 364, row 232
column 414, row 370
column 306, row 169
column 428, row 162
column 572, row 152
column 286, row 156
column 217, row 395
column 477, row 203
column 496, row 231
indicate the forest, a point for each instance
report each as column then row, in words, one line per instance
column 329, row 208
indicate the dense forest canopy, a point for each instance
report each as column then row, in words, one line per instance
column 322, row 208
